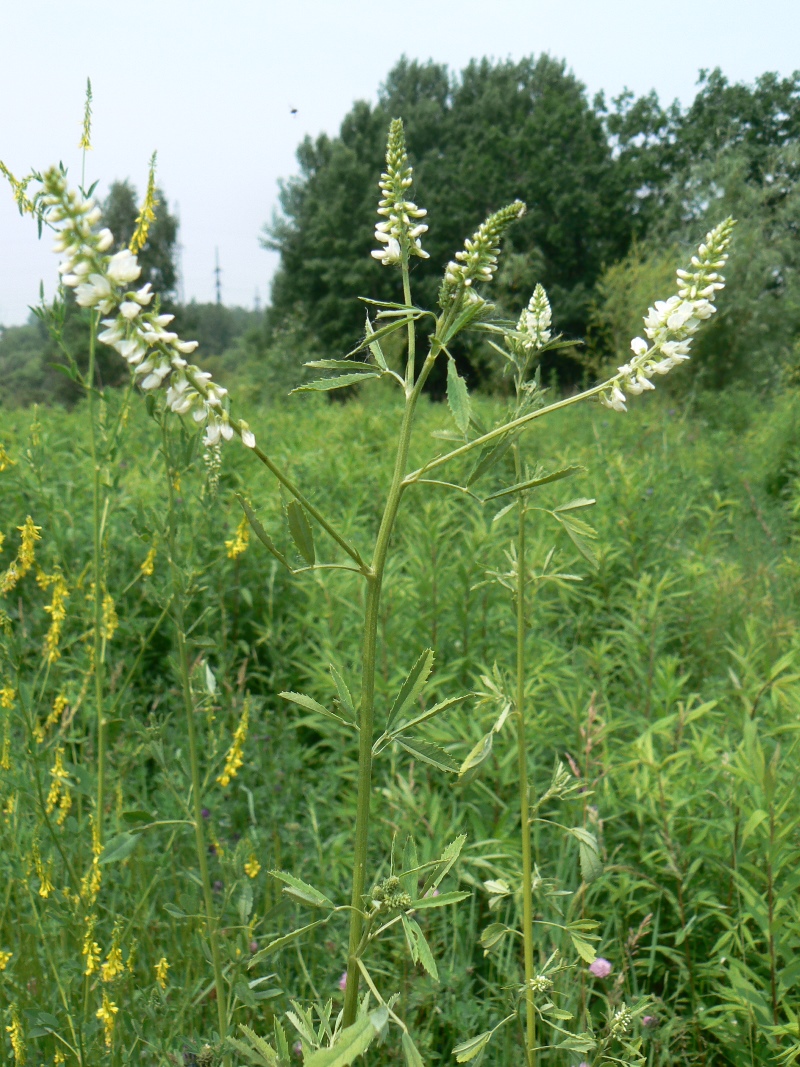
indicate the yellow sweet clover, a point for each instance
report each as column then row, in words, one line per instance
column 19, row 567
column 252, row 867
column 147, row 215
column 240, row 540
column 91, row 949
column 161, row 969
column 113, row 966
column 110, row 621
column 56, row 610
column 148, row 563
column 105, row 1013
column 234, row 759
column 5, row 462
column 59, row 793
column 14, row 1029
column 5, row 958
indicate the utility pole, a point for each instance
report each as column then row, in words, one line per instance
column 217, row 275
column 257, row 301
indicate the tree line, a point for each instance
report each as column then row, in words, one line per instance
column 613, row 189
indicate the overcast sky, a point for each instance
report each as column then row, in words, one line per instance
column 211, row 85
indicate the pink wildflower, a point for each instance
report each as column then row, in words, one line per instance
column 343, row 981
column 600, row 968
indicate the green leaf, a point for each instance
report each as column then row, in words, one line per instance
column 352, row 1042
column 267, row 1054
column 427, row 752
column 339, row 364
column 426, row 903
column 755, row 820
column 136, row 817
column 575, row 505
column 279, row 942
column 492, row 935
column 458, row 397
column 468, row 1050
column 577, row 532
column 383, row 331
column 345, row 699
column 310, row 704
column 411, row 687
column 437, row 709
column 591, row 864
column 119, row 848
column 446, row 861
column 411, row 1052
column 325, row 385
column 375, row 346
column 532, row 483
column 410, row 864
column 262, row 534
column 491, row 454
column 583, row 948
column 471, row 766
column 176, row 913
column 419, row 948
column 244, row 993
column 300, row 529
column 302, row 891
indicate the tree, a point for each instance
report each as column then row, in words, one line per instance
column 477, row 141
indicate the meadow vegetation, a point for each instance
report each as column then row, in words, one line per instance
column 414, row 731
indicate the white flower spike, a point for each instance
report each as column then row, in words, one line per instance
column 100, row 281
column 671, row 324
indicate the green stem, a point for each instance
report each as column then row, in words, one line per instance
column 524, row 798
column 188, row 702
column 98, row 592
column 412, row 337
column 367, row 707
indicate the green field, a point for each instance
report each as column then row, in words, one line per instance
column 665, row 680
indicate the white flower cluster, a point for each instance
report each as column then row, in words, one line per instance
column 534, row 322
column 671, row 324
column 400, row 227
column 478, row 260
column 101, row 281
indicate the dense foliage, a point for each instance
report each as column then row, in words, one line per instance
column 666, row 680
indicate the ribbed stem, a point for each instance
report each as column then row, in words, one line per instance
column 97, row 571
column 194, row 762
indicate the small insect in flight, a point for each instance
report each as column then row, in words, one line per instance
column 293, row 111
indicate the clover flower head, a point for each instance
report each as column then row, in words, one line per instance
column 671, row 324
column 103, row 281
column 621, row 1022
column 477, row 261
column 600, row 968
column 400, row 228
column 534, row 322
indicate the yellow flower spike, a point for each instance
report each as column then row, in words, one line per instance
column 105, row 1013
column 5, row 751
column 85, row 142
column 91, row 949
column 5, row 958
column 110, row 621
column 17, row 1036
column 7, row 696
column 59, row 706
column 57, row 612
column 148, row 565
column 147, row 215
column 240, row 540
column 234, row 759
column 5, row 460
column 19, row 567
column 252, row 867
column 113, row 967
column 59, row 1058
column 161, row 969
column 57, row 785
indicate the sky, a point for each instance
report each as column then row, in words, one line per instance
column 212, row 86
